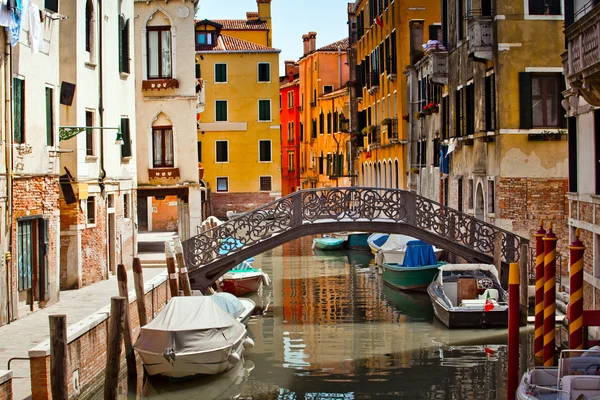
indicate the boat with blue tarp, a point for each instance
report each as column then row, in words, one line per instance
column 417, row 270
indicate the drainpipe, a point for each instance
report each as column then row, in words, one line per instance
column 102, row 175
column 339, row 67
column 9, row 170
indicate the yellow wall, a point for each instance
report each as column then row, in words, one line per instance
column 259, row 37
column 242, row 91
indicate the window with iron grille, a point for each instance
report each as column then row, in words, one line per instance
column 265, row 184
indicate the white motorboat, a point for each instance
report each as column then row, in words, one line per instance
column 239, row 308
column 192, row 336
column 577, row 377
column 390, row 249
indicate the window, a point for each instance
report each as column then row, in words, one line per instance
column 264, row 149
column 460, row 194
column 126, row 147
column 446, row 191
column 490, row 103
column 291, row 166
column 19, row 110
column 163, row 147
column 329, row 122
column 91, row 210
column 223, row 184
column 264, row 72
column 544, row 7
column 445, row 117
column 265, row 184
column 280, row 103
column 491, row 196
column 540, row 96
column 89, row 133
column 470, row 195
column 126, row 209
column 291, row 131
column 264, row 110
column 321, row 123
column 222, row 151
column 205, row 38
column 124, row 45
column 461, row 19
column 49, row 117
column 290, row 99
column 25, row 253
column 199, row 145
column 221, row 110
column 301, row 131
column 327, row 89
column 110, row 201
column 220, row 73
column 470, row 109
column 458, row 111
column 51, row 5
column 89, row 25
column 159, row 52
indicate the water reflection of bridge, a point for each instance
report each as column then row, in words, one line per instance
column 317, row 211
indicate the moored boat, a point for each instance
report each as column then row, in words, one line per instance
column 239, row 308
column 417, row 270
column 469, row 296
column 392, row 251
column 376, row 240
column 328, row 243
column 354, row 240
column 577, row 377
column 191, row 336
column 242, row 281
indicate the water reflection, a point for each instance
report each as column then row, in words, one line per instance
column 332, row 330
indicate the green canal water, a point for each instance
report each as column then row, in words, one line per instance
column 331, row 329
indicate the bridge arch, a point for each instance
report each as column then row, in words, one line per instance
column 318, row 211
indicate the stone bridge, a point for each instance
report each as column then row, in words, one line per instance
column 318, row 211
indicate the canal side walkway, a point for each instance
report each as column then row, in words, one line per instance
column 18, row 337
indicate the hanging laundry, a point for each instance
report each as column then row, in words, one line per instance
column 12, row 4
column 5, row 15
column 14, row 30
column 36, row 40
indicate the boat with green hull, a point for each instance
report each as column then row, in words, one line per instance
column 410, row 278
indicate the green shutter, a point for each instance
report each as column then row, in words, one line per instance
column 221, row 111
column 49, row 117
column 198, row 71
column 264, row 110
column 220, row 72
column 18, row 110
column 126, row 147
column 525, row 102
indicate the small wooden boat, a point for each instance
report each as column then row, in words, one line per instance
column 469, row 296
column 192, row 336
column 242, row 281
column 577, row 377
column 328, row 243
column 417, row 270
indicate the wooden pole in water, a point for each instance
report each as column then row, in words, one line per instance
column 183, row 272
column 128, row 334
column 576, row 250
column 113, row 352
column 549, row 297
column 498, row 253
column 171, row 269
column 138, row 283
column 524, row 278
column 513, row 330
column 538, row 341
column 58, row 357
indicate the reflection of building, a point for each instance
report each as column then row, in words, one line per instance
column 502, row 112
column 238, row 129
column 289, row 101
column 97, row 228
column 581, row 68
column 166, row 101
column 325, row 158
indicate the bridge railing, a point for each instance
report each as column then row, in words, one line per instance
column 315, row 206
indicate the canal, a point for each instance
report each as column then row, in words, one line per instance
column 331, row 329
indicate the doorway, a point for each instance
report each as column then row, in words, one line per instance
column 142, row 211
column 32, row 261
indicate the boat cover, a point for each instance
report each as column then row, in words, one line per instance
column 418, row 253
column 190, row 325
column 378, row 240
column 229, row 303
column 396, row 242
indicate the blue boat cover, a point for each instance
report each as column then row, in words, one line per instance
column 381, row 240
column 229, row 245
column 418, row 253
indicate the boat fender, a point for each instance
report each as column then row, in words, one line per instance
column 265, row 279
column 233, row 358
column 248, row 343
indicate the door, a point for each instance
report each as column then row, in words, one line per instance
column 25, row 259
column 43, row 275
column 142, row 210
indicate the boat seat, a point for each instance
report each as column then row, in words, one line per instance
column 575, row 386
column 493, row 294
column 476, row 303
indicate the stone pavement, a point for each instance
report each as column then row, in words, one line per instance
column 23, row 334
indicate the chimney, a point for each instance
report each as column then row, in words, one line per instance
column 416, row 40
column 264, row 14
column 312, row 36
column 306, row 44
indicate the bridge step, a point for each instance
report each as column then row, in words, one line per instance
column 154, row 263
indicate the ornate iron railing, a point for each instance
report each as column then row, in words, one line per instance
column 444, row 227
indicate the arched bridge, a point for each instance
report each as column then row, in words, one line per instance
column 317, row 211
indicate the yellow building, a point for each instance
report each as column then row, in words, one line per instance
column 238, row 113
column 325, row 150
column 380, row 44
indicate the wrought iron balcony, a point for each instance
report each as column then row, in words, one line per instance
column 480, row 28
column 373, row 82
column 438, row 67
column 392, row 130
column 374, row 136
column 581, row 61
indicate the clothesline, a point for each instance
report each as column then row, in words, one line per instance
column 13, row 15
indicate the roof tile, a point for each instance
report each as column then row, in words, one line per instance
column 242, row 25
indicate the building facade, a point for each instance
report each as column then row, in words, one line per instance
column 289, row 102
column 582, row 102
column 324, row 101
column 166, row 97
column 382, row 33
column 501, row 113
column 238, row 128
column 97, row 124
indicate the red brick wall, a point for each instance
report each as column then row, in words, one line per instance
column 87, row 353
column 94, row 247
column 238, row 202
column 164, row 215
column 6, row 390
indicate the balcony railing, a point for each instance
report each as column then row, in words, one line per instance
column 438, row 67
column 581, row 61
column 374, row 136
column 393, row 130
column 480, row 29
column 373, row 81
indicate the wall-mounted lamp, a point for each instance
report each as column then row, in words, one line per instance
column 68, row 132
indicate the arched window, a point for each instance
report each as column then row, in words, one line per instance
column 384, row 180
column 159, row 47
column 162, row 143
column 396, row 173
column 89, row 26
column 390, row 176
column 362, row 175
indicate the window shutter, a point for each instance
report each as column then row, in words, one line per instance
column 121, row 26
column 525, row 102
column 197, row 71
column 126, row 147
column 488, row 103
column 433, row 32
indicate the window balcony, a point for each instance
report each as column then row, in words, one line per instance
column 373, row 82
column 390, row 67
column 481, row 43
column 164, row 173
column 581, row 61
column 392, row 130
column 437, row 66
column 374, row 136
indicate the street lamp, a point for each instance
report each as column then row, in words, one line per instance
column 68, row 132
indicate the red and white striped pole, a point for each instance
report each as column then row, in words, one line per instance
column 576, row 250
column 514, row 322
column 538, row 341
column 549, row 296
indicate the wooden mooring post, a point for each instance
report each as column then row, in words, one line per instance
column 128, row 334
column 113, row 352
column 58, row 357
column 138, row 283
column 183, row 272
column 172, row 269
